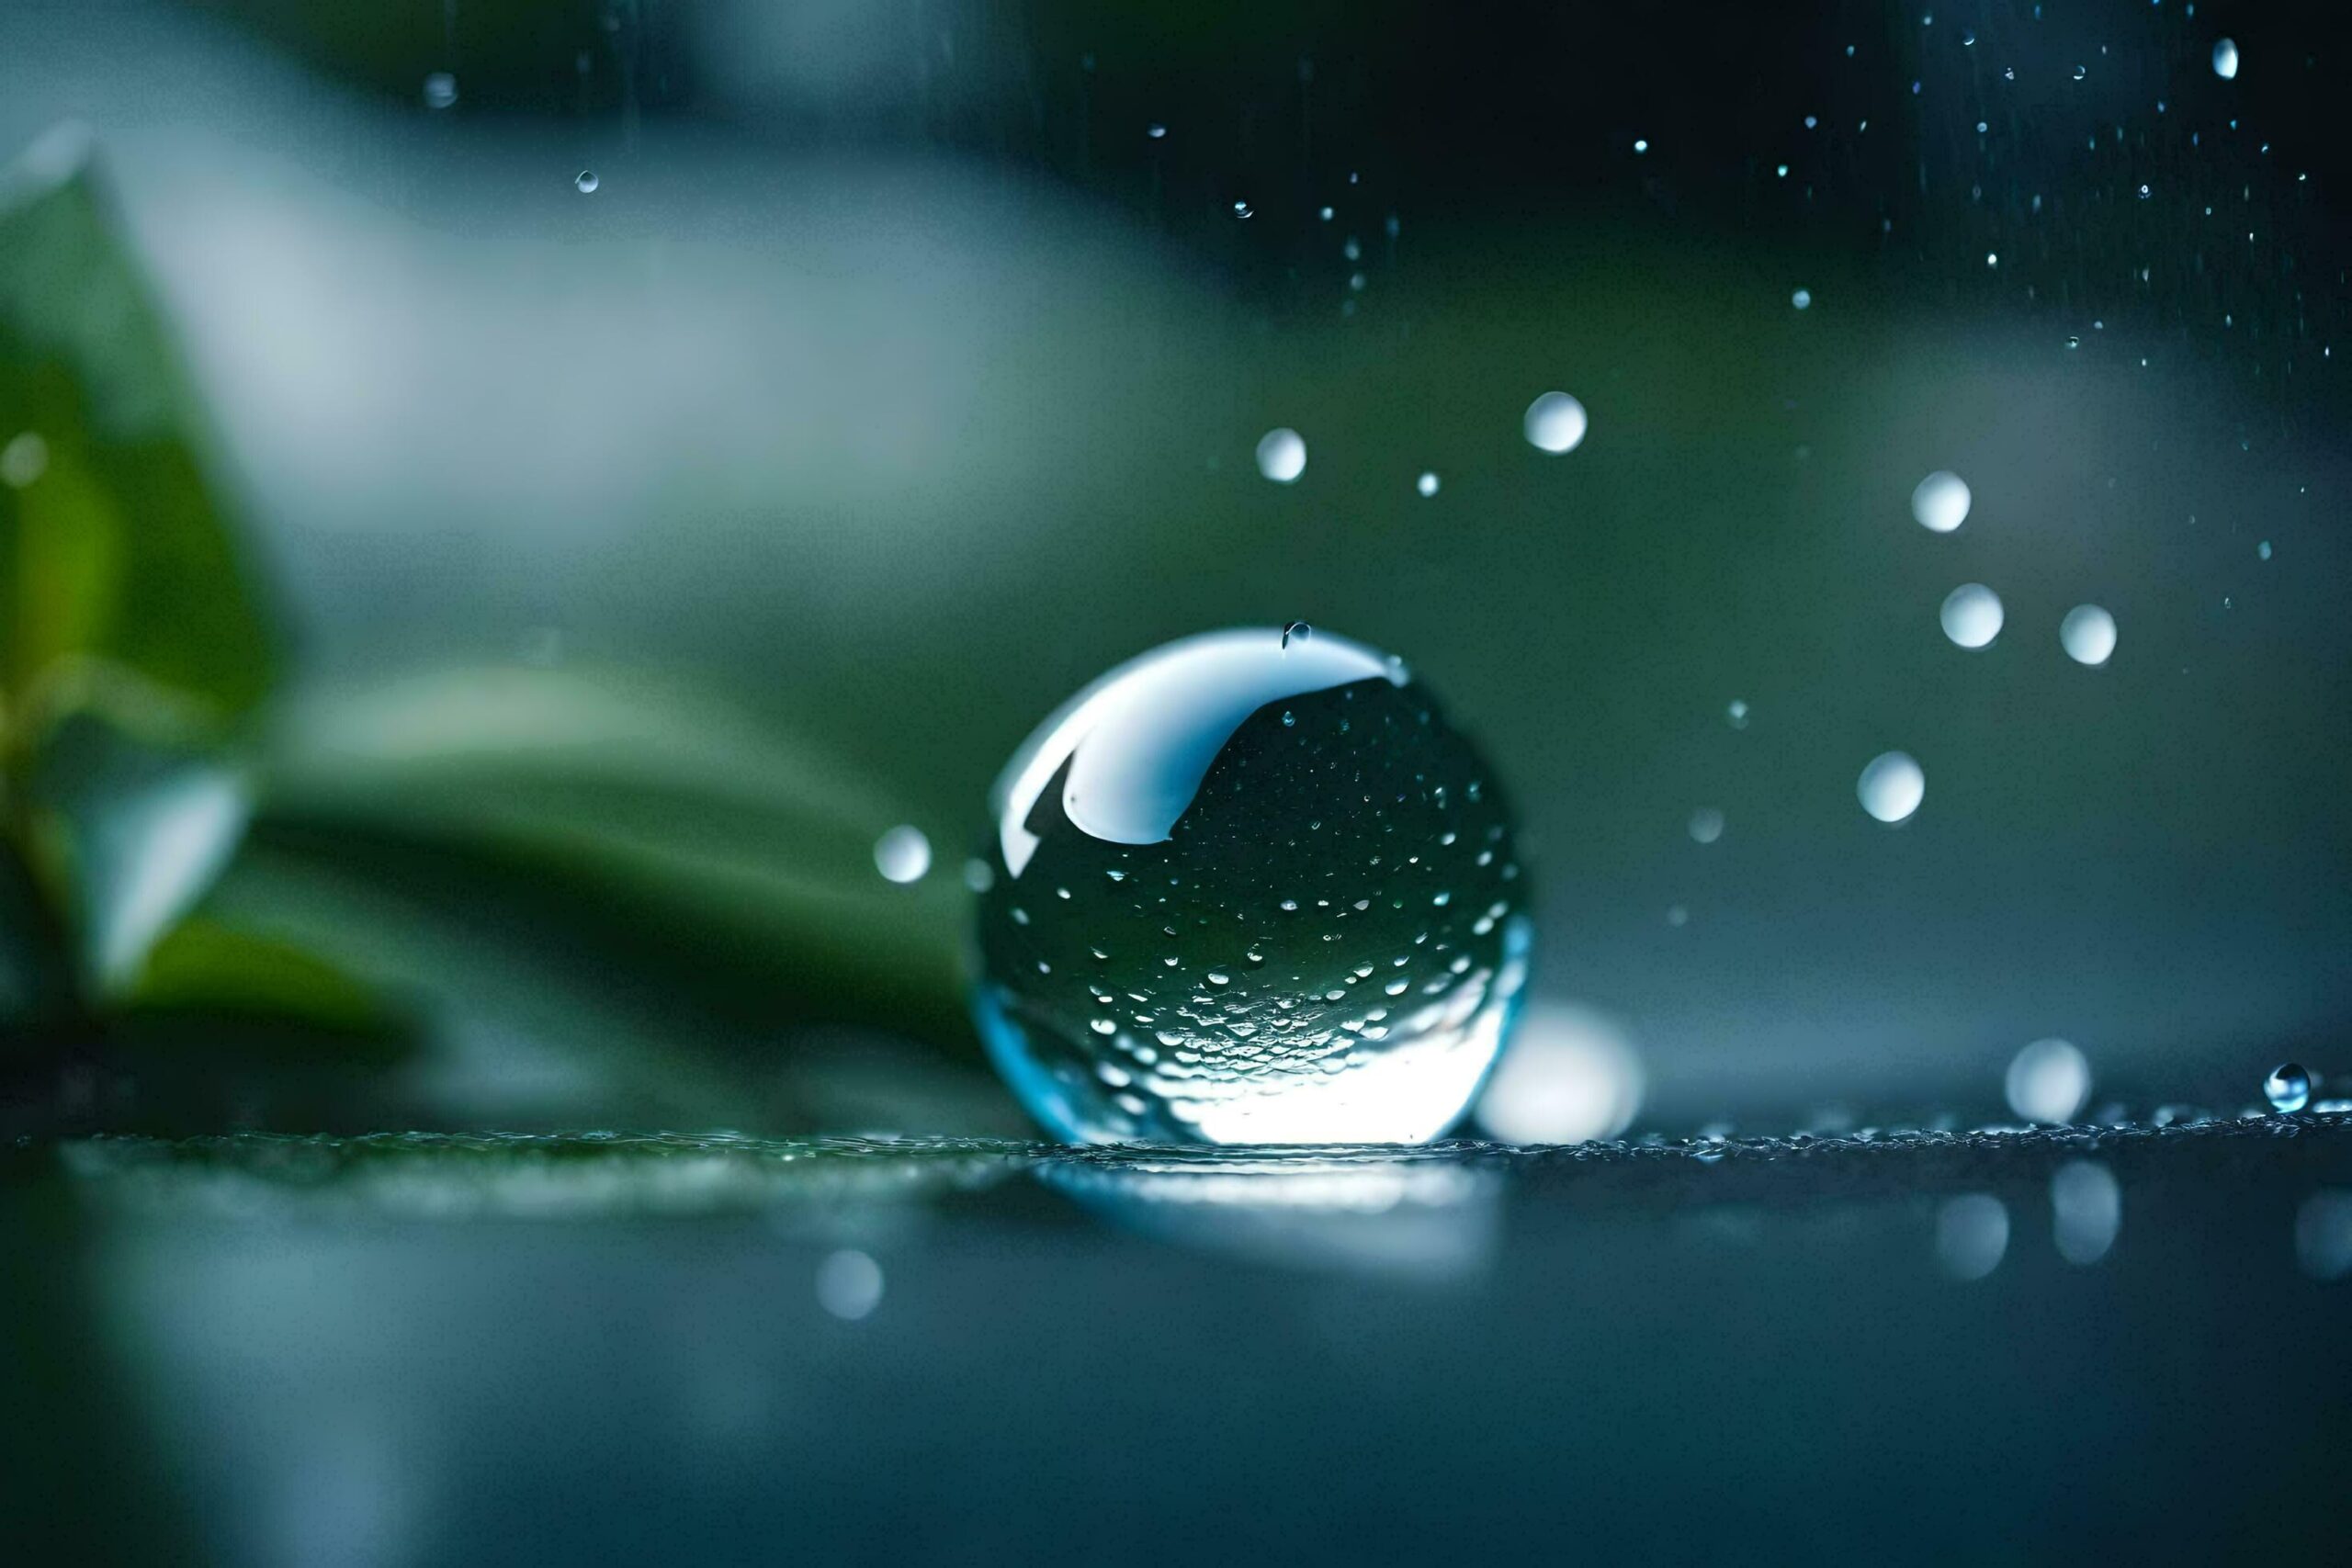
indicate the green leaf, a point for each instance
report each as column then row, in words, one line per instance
column 111, row 542
column 206, row 968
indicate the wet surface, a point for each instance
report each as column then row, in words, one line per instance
column 2026, row 1343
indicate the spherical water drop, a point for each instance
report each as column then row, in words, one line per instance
column 1273, row 1018
column 440, row 90
column 1736, row 712
column 1972, row 1235
column 1801, row 299
column 902, row 854
column 2081, row 71
column 1972, row 616
column 1555, row 423
column 849, row 1285
column 1940, row 501
column 585, row 180
column 2288, row 1088
column 1706, row 825
column 1156, row 132
column 1892, row 786
column 1297, row 631
column 2086, row 1210
column 1243, row 210
column 1427, row 485
column 1570, row 1074
column 2225, row 59
column 2048, row 1081
column 1282, row 454
column 23, row 460
column 2088, row 635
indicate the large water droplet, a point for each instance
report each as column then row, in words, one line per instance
column 2289, row 1086
column 902, row 854
column 585, row 180
column 1427, row 485
column 1555, row 423
column 1940, row 501
column 1570, row 1074
column 1281, row 878
column 1892, row 786
column 2225, row 59
column 1282, row 454
column 2088, row 634
column 2048, row 1081
column 1971, row 614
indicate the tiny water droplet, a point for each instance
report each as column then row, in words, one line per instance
column 2289, row 1086
column 1243, row 210
column 1427, row 483
column 1801, row 299
column 440, row 90
column 1892, row 786
column 1706, row 825
column 24, row 459
column 1297, row 631
column 1156, row 132
column 2081, row 71
column 1940, row 501
column 2225, row 59
column 1555, row 423
column 902, row 854
column 585, row 180
column 1972, row 616
column 1736, row 712
column 2088, row 634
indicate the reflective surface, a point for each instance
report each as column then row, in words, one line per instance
column 1249, row 888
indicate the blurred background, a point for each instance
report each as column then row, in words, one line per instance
column 509, row 504
column 618, row 563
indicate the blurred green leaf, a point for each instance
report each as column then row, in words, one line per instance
column 111, row 543
column 206, row 968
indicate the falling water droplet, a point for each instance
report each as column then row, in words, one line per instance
column 1156, row 132
column 1177, row 767
column 2081, row 71
column 1282, row 454
column 1972, row 616
column 2088, row 634
column 585, row 180
column 1706, row 825
column 1801, row 299
column 2288, row 1088
column 1940, row 501
column 1427, row 485
column 1892, row 786
column 440, row 90
column 1243, row 210
column 1555, row 423
column 2225, row 59
column 902, row 854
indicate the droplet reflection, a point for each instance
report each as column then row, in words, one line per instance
column 1571, row 1075
column 2086, row 1210
column 1972, row 1235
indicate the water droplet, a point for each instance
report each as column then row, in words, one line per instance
column 1940, row 501
column 1706, row 825
column 1801, row 299
column 1243, row 210
column 1156, row 133
column 440, row 90
column 2048, row 1081
column 1892, row 786
column 2262, row 550
column 2088, row 634
column 1555, row 423
column 23, row 460
column 585, row 180
column 1282, row 454
column 902, row 854
column 1972, row 616
column 1737, row 714
column 2225, row 59
column 1177, row 767
column 849, row 1284
column 1298, row 631
column 2288, row 1088
column 1677, row 916
column 2081, row 71
column 1326, row 215
column 1571, row 1075
column 1427, row 485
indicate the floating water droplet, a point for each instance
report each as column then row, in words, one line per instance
column 1801, row 299
column 978, row 876
column 1297, row 631
column 1177, row 767
column 2225, row 59
column 2262, row 550
column 1972, row 1235
column 2088, row 634
column 1892, row 786
column 1706, row 825
column 1736, row 712
column 1242, row 210
column 23, row 460
column 1282, row 454
column 1156, row 133
column 1972, row 616
column 849, row 1284
column 1555, row 423
column 2048, row 1081
column 1940, row 501
column 1427, row 485
column 2081, row 71
column 585, row 180
column 440, row 90
column 2288, row 1088
column 902, row 854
